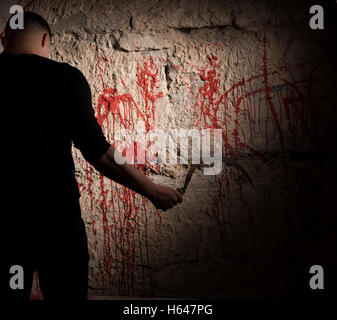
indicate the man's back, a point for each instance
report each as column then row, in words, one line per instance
column 46, row 106
column 34, row 132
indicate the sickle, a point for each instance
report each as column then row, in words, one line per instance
column 228, row 161
column 188, row 178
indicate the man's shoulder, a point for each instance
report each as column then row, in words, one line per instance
column 66, row 67
column 45, row 62
column 61, row 65
column 71, row 73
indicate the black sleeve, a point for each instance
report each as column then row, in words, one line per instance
column 85, row 131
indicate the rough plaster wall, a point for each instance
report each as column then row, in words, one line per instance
column 251, row 68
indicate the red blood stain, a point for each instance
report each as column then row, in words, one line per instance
column 213, row 109
column 267, row 89
column 148, row 84
column 288, row 105
column 121, row 211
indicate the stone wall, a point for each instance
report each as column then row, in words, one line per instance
column 251, row 68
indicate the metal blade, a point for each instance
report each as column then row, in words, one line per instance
column 188, row 178
column 228, row 161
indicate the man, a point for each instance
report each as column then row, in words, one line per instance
column 46, row 106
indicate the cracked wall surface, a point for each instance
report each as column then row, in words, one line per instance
column 256, row 71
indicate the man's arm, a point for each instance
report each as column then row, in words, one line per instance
column 162, row 197
column 87, row 136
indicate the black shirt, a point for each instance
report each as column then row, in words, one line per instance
column 46, row 106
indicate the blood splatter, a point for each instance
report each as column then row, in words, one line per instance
column 289, row 108
column 121, row 210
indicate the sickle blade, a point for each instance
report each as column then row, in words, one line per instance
column 188, row 178
column 228, row 161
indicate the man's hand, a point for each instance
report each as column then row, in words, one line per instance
column 165, row 198
column 162, row 197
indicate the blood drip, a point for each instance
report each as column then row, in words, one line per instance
column 121, row 210
column 289, row 105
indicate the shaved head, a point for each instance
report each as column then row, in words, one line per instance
column 33, row 39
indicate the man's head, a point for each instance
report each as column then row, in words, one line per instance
column 33, row 39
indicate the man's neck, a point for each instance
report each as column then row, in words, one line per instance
column 17, row 51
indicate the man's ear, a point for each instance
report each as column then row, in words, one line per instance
column 45, row 40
